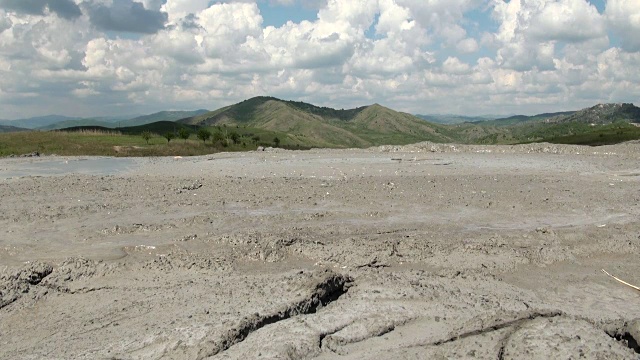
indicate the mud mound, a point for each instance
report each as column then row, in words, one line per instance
column 74, row 269
column 14, row 285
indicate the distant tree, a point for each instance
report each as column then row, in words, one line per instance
column 217, row 136
column 169, row 135
column 276, row 141
column 235, row 137
column 184, row 134
column 204, row 135
column 146, row 135
column 255, row 138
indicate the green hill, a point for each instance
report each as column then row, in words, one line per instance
column 451, row 119
column 520, row 119
column 597, row 125
column 310, row 125
column 602, row 114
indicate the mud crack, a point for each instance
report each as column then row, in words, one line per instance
column 627, row 333
column 516, row 325
column 324, row 335
column 629, row 340
column 499, row 325
column 330, row 288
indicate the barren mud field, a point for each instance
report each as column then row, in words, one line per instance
column 416, row 252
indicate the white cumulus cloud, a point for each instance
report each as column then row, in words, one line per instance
column 624, row 17
column 94, row 57
column 566, row 20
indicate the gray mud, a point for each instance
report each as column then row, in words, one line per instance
column 423, row 251
column 54, row 166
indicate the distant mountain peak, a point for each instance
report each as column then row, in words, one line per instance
column 612, row 105
column 603, row 114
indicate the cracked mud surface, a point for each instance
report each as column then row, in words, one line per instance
column 422, row 251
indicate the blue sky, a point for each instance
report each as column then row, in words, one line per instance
column 472, row 57
column 278, row 15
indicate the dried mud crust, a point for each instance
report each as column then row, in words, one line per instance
column 536, row 148
column 152, row 314
column 15, row 284
column 422, row 251
column 561, row 338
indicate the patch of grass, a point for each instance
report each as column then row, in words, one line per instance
column 54, row 142
column 106, row 144
column 159, row 127
column 97, row 141
column 600, row 135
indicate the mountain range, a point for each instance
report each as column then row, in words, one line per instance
column 306, row 125
column 321, row 126
column 452, row 119
column 56, row 122
column 311, row 125
column 36, row 122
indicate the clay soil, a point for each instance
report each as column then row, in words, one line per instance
column 416, row 252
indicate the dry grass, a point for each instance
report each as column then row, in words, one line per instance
column 92, row 132
column 622, row 281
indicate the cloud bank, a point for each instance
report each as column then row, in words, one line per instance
column 88, row 57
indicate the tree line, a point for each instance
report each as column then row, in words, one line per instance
column 205, row 135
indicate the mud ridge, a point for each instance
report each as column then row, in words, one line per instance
column 328, row 290
column 323, row 336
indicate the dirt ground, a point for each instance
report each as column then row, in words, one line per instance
column 415, row 252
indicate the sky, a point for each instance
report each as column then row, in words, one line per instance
column 468, row 57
